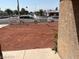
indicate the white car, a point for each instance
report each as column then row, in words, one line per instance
column 52, row 18
column 27, row 18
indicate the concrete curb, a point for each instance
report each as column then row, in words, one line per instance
column 46, row 53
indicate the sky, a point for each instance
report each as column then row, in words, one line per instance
column 32, row 5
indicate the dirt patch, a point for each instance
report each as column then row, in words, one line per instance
column 31, row 36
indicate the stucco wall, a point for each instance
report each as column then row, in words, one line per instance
column 67, row 34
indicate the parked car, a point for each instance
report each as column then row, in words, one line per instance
column 26, row 18
column 52, row 18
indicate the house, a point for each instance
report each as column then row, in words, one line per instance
column 52, row 13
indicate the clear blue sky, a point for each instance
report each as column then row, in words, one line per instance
column 32, row 4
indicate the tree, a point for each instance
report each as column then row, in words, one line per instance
column 5, row 14
column 37, row 13
column 56, row 8
column 15, row 12
column 41, row 12
column 9, row 12
column 23, row 11
column 1, row 12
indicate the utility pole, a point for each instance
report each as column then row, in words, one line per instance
column 18, row 9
